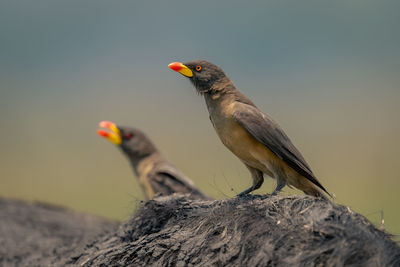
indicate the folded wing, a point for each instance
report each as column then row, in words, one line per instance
column 268, row 132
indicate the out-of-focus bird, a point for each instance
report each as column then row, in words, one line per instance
column 251, row 135
column 157, row 176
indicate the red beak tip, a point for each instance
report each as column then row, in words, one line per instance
column 176, row 66
column 105, row 124
column 102, row 133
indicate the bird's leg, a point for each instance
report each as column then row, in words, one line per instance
column 280, row 183
column 258, row 180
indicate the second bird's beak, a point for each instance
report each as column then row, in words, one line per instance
column 114, row 135
column 182, row 69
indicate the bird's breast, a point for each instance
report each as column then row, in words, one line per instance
column 239, row 141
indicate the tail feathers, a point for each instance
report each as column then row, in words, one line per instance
column 313, row 191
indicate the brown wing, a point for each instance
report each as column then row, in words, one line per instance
column 268, row 132
column 167, row 180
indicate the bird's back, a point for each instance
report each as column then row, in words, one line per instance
column 162, row 178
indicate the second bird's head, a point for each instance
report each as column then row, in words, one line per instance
column 133, row 142
column 203, row 74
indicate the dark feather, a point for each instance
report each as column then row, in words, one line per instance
column 167, row 180
column 268, row 132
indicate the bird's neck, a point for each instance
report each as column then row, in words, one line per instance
column 223, row 93
column 140, row 165
column 221, row 90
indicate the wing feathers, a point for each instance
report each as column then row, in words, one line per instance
column 268, row 132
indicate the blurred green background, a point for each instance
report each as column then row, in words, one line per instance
column 327, row 71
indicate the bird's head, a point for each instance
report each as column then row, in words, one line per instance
column 133, row 142
column 203, row 74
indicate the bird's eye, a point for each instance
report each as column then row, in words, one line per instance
column 128, row 136
column 198, row 68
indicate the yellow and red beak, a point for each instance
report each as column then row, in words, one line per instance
column 182, row 69
column 113, row 135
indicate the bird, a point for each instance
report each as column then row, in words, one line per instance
column 157, row 176
column 255, row 138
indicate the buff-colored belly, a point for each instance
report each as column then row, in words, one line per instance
column 244, row 146
column 252, row 152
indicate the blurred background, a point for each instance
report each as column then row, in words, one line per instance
column 327, row 71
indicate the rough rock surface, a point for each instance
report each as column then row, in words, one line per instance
column 247, row 231
column 38, row 234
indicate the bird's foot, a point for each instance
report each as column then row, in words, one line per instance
column 245, row 192
column 275, row 193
